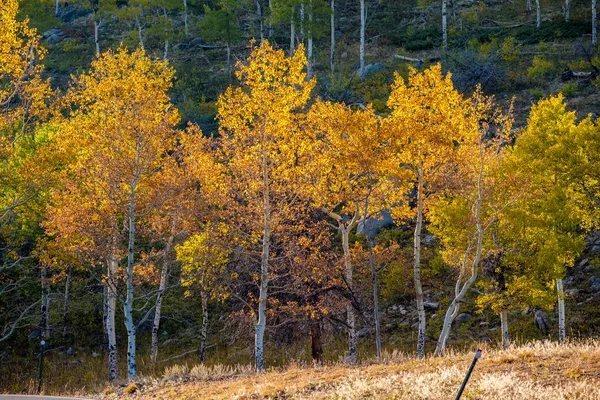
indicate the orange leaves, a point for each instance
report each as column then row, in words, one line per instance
column 345, row 167
column 22, row 92
column 119, row 137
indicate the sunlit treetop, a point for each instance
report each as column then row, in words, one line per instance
column 22, row 92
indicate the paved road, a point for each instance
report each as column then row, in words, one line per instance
column 25, row 397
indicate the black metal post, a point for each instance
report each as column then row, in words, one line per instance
column 41, row 372
column 464, row 384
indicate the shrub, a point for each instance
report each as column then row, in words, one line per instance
column 176, row 371
column 131, row 389
column 569, row 89
column 510, row 49
column 220, row 371
column 537, row 93
column 540, row 68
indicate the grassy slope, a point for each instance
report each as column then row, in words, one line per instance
column 533, row 371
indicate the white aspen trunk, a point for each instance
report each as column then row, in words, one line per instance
column 417, row 269
column 45, row 306
column 204, row 329
column 292, row 34
column 332, row 49
column 461, row 291
column 594, row 25
column 351, row 320
column 97, row 35
column 375, row 300
column 128, row 306
column 166, row 52
column 185, row 18
column 562, row 332
column 111, row 307
column 444, row 25
column 302, row 19
column 528, row 6
column 504, row 329
column 139, row 26
column 229, row 68
column 260, row 20
column 309, row 72
column 538, row 14
column 448, row 319
column 56, row 8
column 363, row 23
column 270, row 19
column 264, row 270
column 567, row 10
column 67, row 300
column 164, row 274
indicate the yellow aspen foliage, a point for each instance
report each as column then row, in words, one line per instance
column 119, row 128
column 23, row 98
column 540, row 236
column 430, row 131
column 22, row 91
column 264, row 148
column 203, row 258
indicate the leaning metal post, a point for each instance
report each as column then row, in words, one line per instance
column 464, row 384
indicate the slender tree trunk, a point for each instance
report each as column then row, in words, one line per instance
column 375, row 299
column 128, row 306
column 45, row 307
column 302, row 19
column 264, row 269
column 444, row 25
column 97, row 35
column 164, row 274
column 332, row 49
column 204, row 329
column 417, row 268
column 504, row 329
column 292, row 34
column 567, row 10
column 594, row 27
column 461, row 291
column 528, row 6
column 363, row 23
column 453, row 7
column 352, row 338
column 538, row 14
column 259, row 12
column 316, row 344
column 185, row 18
column 310, row 42
column 561, row 311
column 166, row 51
column 111, row 307
column 229, row 68
column 140, row 35
column 67, row 301
column 56, row 8
column 270, row 19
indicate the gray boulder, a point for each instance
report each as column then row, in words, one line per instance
column 464, row 317
column 371, row 226
column 54, row 35
column 594, row 284
column 431, row 305
column 372, row 69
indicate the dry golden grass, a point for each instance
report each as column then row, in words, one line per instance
column 536, row 371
